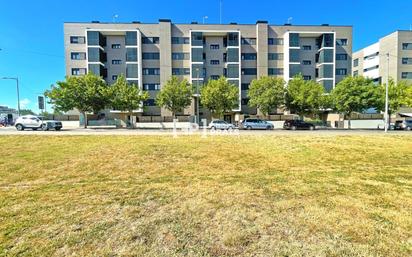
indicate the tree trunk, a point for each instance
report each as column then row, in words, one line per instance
column 85, row 119
column 131, row 120
column 349, row 125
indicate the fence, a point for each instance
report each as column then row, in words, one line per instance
column 161, row 118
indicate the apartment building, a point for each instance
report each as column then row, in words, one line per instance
column 372, row 61
column 148, row 54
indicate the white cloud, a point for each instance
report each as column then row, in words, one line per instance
column 24, row 103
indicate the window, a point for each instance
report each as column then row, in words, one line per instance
column 132, row 71
column 406, row 75
column 131, row 38
column 151, row 87
column 116, row 62
column 232, row 71
column 275, row 71
column 244, row 86
column 77, row 40
column 342, row 42
column 249, row 71
column 306, row 62
column 371, row 56
column 245, row 101
column 180, row 40
column 150, row 40
column 355, row 73
column 406, row 46
column 248, row 41
column 115, row 46
column 214, row 46
column 293, row 39
column 307, row 47
column 149, row 102
column 197, row 54
column 180, row 71
column 406, row 60
column 356, row 62
column 233, row 54
column 114, row 77
column 294, row 55
column 78, row 56
column 233, row 38
column 79, row 71
column 341, row 72
column 131, row 54
column 275, row 41
column 180, row 56
column 275, row 56
column 151, row 71
column 307, row 77
column 249, row 56
column 341, row 57
column 214, row 77
column 150, row 56
column 214, row 62
column 371, row 68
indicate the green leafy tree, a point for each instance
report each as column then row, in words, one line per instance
column 267, row 93
column 397, row 93
column 88, row 93
column 305, row 96
column 219, row 96
column 126, row 97
column 175, row 95
column 354, row 94
column 27, row 112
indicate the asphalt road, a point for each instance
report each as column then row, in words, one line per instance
column 82, row 131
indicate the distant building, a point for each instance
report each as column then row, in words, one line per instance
column 371, row 61
column 8, row 113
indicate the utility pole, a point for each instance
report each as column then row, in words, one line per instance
column 197, row 96
column 387, row 95
column 220, row 12
column 18, row 92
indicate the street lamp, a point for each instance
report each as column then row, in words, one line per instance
column 18, row 93
column 197, row 96
column 387, row 94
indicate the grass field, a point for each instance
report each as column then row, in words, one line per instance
column 220, row 196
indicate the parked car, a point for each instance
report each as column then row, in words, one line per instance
column 36, row 122
column 403, row 125
column 297, row 124
column 220, row 124
column 256, row 124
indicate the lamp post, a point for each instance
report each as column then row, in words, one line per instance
column 18, row 92
column 197, row 96
column 387, row 94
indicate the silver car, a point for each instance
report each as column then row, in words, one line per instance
column 220, row 124
column 256, row 124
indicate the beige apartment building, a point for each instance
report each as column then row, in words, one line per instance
column 149, row 54
column 372, row 61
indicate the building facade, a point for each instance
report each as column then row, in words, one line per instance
column 149, row 54
column 372, row 61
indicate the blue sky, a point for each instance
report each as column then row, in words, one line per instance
column 31, row 32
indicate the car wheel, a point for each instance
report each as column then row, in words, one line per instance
column 408, row 128
column 229, row 128
column 249, row 128
column 34, row 129
column 212, row 128
column 57, row 129
column 44, row 127
column 268, row 128
column 19, row 127
column 293, row 128
column 311, row 128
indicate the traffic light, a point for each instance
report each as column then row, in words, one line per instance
column 40, row 100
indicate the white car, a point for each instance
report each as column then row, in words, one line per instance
column 220, row 124
column 36, row 122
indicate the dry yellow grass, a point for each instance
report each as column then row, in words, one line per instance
column 220, row 196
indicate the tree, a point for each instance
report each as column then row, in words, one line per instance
column 398, row 95
column 267, row 93
column 354, row 94
column 88, row 93
column 175, row 95
column 26, row 112
column 219, row 96
column 126, row 97
column 305, row 96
